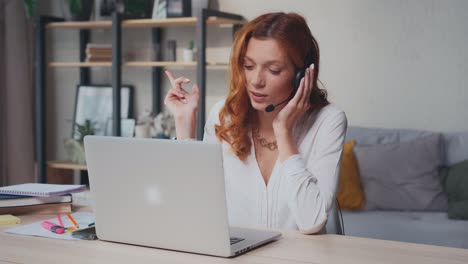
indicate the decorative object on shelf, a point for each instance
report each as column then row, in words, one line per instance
column 171, row 46
column 171, row 8
column 159, row 9
column 103, row 9
column 94, row 103
column 164, row 126
column 135, row 9
column 188, row 52
column 144, row 125
column 127, row 127
column 74, row 146
column 77, row 10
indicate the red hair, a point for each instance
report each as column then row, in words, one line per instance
column 294, row 37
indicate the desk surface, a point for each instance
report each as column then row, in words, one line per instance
column 291, row 248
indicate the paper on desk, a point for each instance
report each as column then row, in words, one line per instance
column 35, row 229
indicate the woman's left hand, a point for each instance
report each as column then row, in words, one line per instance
column 288, row 116
column 297, row 106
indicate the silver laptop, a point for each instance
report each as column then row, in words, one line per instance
column 165, row 194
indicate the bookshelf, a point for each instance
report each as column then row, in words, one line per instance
column 44, row 24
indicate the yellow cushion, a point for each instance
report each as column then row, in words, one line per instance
column 350, row 194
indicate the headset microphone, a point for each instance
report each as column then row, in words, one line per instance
column 271, row 108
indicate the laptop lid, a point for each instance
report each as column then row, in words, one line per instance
column 159, row 193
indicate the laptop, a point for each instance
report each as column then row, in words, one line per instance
column 165, row 194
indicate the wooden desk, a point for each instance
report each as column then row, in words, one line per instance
column 291, row 248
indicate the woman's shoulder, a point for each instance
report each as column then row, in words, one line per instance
column 325, row 114
column 331, row 114
column 323, row 119
column 331, row 110
column 216, row 108
column 214, row 111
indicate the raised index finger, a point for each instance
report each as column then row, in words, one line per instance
column 171, row 77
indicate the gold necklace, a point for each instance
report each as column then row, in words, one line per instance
column 263, row 142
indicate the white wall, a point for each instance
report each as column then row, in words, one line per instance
column 388, row 63
column 396, row 64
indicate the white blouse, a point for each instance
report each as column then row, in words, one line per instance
column 301, row 190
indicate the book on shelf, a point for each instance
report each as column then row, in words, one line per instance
column 98, row 60
column 41, row 189
column 99, row 46
column 90, row 51
column 98, row 56
column 106, row 50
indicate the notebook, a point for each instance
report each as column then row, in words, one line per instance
column 165, row 194
column 8, row 200
column 41, row 189
column 55, row 208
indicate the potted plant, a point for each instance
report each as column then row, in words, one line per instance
column 164, row 125
column 30, row 7
column 144, row 124
column 74, row 147
column 188, row 52
column 135, row 9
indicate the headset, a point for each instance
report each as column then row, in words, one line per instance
column 295, row 82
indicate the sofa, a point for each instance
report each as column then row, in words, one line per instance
column 408, row 179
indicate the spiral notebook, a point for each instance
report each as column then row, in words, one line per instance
column 41, row 189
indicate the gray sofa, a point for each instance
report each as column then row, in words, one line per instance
column 428, row 226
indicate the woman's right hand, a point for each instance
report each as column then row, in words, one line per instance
column 183, row 105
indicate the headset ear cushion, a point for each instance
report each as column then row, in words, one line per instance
column 297, row 79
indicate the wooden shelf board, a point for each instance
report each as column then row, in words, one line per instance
column 159, row 64
column 80, row 64
column 60, row 164
column 224, row 21
column 80, row 24
column 144, row 23
column 210, row 65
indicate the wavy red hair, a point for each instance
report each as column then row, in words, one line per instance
column 290, row 30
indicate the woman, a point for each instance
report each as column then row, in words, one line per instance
column 281, row 166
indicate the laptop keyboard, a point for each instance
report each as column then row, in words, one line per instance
column 235, row 240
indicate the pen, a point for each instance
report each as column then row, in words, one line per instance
column 52, row 227
column 70, row 229
column 60, row 220
column 72, row 220
column 91, row 224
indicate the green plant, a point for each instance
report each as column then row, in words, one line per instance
column 138, row 8
column 74, row 5
column 30, row 6
column 191, row 45
column 88, row 128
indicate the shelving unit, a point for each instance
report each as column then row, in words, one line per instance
column 200, row 22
